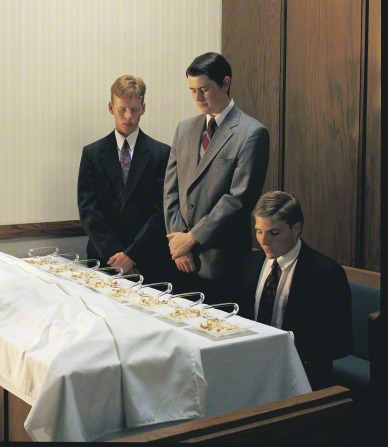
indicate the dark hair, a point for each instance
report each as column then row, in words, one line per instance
column 213, row 65
column 279, row 205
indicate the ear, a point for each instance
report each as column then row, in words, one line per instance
column 110, row 107
column 143, row 108
column 297, row 229
column 226, row 83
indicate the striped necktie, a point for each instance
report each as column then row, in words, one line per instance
column 125, row 160
column 268, row 295
column 207, row 135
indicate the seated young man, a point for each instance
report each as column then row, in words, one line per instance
column 291, row 286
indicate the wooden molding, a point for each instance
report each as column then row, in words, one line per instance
column 264, row 422
column 67, row 228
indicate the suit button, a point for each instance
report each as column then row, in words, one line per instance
column 191, row 206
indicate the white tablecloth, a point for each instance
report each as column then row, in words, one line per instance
column 90, row 366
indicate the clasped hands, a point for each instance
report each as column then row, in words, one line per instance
column 121, row 260
column 180, row 245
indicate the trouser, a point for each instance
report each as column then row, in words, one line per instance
column 216, row 291
column 319, row 373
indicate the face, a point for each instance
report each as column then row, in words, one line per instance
column 208, row 95
column 127, row 113
column 276, row 237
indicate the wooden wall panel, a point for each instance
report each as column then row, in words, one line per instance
column 311, row 71
column 322, row 120
column 371, row 238
column 251, row 38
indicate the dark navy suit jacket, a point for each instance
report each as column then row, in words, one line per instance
column 318, row 309
column 124, row 218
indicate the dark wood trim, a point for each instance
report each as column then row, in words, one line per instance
column 282, row 93
column 3, row 413
column 360, row 227
column 67, row 228
column 17, row 413
column 293, row 412
column 375, row 352
column 263, row 422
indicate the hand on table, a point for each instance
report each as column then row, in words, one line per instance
column 122, row 260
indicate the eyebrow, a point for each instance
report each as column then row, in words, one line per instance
column 196, row 88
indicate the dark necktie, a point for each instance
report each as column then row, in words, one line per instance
column 267, row 300
column 125, row 160
column 207, row 135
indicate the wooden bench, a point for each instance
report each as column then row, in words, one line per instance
column 365, row 277
column 361, row 371
column 353, row 371
column 321, row 417
column 376, row 353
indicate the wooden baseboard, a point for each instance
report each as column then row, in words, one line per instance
column 67, row 228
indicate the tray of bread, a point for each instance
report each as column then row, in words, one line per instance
column 156, row 299
column 181, row 307
column 150, row 297
column 217, row 323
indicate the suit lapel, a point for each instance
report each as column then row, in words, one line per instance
column 139, row 162
column 220, row 138
column 110, row 161
column 296, row 298
column 190, row 157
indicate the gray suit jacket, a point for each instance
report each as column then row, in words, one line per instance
column 214, row 197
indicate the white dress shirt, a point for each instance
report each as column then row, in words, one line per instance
column 131, row 138
column 221, row 116
column 287, row 265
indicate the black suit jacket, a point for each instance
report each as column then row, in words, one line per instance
column 318, row 309
column 124, row 218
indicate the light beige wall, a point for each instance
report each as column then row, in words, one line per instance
column 58, row 60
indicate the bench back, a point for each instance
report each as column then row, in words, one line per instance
column 365, row 288
column 365, row 300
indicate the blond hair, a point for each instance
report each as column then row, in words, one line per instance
column 127, row 86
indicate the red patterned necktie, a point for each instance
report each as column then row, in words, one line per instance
column 268, row 295
column 125, row 160
column 207, row 135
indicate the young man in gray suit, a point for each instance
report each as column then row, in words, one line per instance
column 311, row 298
column 120, row 190
column 214, row 177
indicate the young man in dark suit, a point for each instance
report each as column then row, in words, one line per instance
column 214, row 177
column 310, row 297
column 120, row 190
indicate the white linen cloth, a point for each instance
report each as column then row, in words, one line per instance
column 260, row 366
column 89, row 365
column 245, row 371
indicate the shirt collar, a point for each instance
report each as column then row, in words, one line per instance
column 131, row 138
column 220, row 117
column 287, row 259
